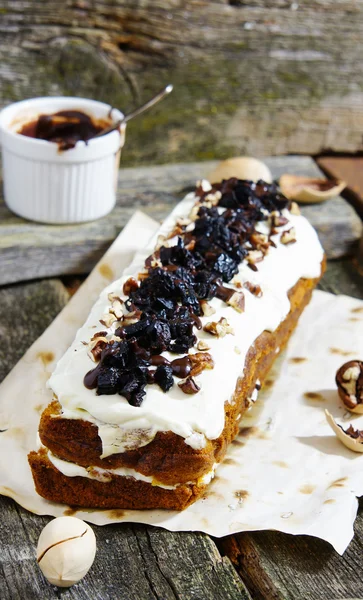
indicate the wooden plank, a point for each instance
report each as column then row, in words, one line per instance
column 132, row 562
column 283, row 567
column 30, row 250
column 350, row 169
column 25, row 311
column 250, row 76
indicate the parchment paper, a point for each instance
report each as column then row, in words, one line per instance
column 286, row 470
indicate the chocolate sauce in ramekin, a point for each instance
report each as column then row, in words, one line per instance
column 65, row 128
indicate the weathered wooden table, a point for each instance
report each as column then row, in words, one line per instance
column 137, row 562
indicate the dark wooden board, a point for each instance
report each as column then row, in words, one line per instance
column 29, row 250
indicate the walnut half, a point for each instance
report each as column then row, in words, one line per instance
column 349, row 379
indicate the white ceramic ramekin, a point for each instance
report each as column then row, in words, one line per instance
column 46, row 185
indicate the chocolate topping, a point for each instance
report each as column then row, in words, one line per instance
column 91, row 378
column 65, row 128
column 181, row 367
column 158, row 360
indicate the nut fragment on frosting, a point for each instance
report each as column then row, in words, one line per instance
column 189, row 386
column 219, row 328
column 200, row 361
column 66, row 550
column 207, row 309
column 108, row 319
column 254, row 256
column 288, row 237
column 295, row 209
column 349, row 379
column 202, row 345
column 255, row 289
column 237, row 301
column 116, row 309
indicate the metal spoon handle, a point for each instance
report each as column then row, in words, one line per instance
column 149, row 104
column 138, row 110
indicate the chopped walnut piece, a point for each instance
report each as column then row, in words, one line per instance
column 254, row 256
column 113, row 296
column 237, row 282
column 259, row 241
column 96, row 347
column 279, row 221
column 193, row 215
column 252, row 267
column 288, row 237
column 237, row 301
column 207, row 309
column 203, row 346
column 212, row 199
column 142, row 275
column 116, row 309
column 295, row 209
column 131, row 317
column 177, row 230
column 98, row 334
column 183, row 221
column 200, row 361
column 203, row 185
column 160, row 241
column 189, row 386
column 255, row 289
column 220, row 328
column 108, row 319
column 130, row 285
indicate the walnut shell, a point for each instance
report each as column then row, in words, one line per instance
column 353, row 443
column 66, row 550
column 309, row 189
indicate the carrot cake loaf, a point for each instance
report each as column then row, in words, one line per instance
column 151, row 392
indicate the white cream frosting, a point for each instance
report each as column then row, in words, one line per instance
column 70, row 469
column 201, row 416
